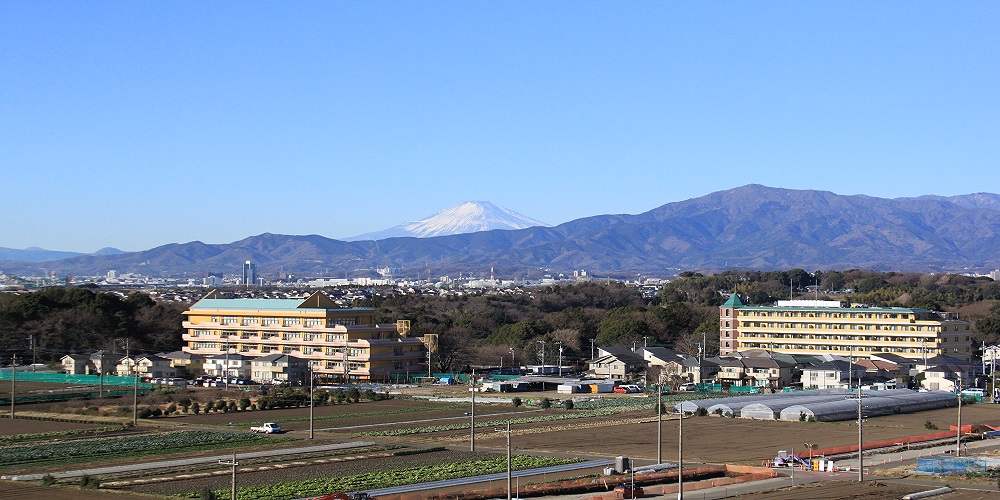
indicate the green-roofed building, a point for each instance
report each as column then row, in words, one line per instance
column 340, row 344
column 817, row 327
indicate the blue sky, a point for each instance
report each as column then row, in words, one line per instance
column 137, row 124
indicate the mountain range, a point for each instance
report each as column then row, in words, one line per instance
column 750, row 227
column 35, row 254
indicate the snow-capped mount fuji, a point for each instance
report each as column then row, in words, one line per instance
column 468, row 217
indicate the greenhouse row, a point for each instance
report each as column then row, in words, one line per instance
column 822, row 405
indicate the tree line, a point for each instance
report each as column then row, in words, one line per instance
column 59, row 321
column 483, row 327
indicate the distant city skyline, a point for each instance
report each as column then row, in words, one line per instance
column 138, row 125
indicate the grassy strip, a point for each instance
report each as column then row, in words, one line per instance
column 53, row 434
column 384, row 479
column 401, row 453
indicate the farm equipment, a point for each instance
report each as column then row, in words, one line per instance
column 628, row 491
column 785, row 459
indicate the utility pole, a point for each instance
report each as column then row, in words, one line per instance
column 31, row 344
column 592, row 348
column 701, row 355
column 509, row 473
column 861, row 458
column 232, row 481
column 472, row 428
column 543, row 355
column 135, row 398
column 680, row 455
column 958, row 439
column 659, row 416
column 850, row 370
column 513, row 364
column 225, row 372
column 312, row 402
column 13, row 385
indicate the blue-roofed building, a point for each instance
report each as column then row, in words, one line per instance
column 339, row 344
column 818, row 327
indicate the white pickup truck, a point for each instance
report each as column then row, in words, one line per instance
column 267, row 428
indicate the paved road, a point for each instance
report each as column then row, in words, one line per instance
column 502, row 476
column 188, row 461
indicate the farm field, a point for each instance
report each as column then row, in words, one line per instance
column 25, row 426
column 712, row 439
column 709, row 439
column 839, row 490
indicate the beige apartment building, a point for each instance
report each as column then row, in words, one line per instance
column 817, row 327
column 342, row 344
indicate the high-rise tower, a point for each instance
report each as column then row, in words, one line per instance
column 249, row 273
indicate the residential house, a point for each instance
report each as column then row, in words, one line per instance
column 230, row 365
column 186, row 364
column 153, row 366
column 279, row 368
column 834, row 374
column 754, row 371
column 75, row 364
column 618, row 364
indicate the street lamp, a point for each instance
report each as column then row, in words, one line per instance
column 810, row 447
column 560, row 357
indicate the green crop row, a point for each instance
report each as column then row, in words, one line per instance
column 384, row 479
column 122, row 445
column 53, row 434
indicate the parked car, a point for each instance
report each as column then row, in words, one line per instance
column 688, row 386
